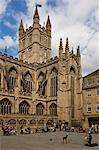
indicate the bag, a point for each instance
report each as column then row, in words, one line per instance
column 86, row 138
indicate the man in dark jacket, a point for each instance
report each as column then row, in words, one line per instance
column 90, row 138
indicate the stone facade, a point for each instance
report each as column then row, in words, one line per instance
column 36, row 89
column 91, row 99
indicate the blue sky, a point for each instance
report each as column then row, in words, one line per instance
column 78, row 20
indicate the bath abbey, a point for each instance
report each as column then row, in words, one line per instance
column 37, row 89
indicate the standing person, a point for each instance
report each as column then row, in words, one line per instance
column 90, row 139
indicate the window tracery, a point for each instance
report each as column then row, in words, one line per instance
column 5, row 106
column 54, row 82
column 39, row 109
column 24, row 108
column 53, row 109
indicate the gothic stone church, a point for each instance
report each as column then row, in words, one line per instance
column 36, row 89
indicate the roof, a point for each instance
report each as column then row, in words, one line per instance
column 92, row 73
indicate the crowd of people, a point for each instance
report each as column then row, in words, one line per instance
column 94, row 129
column 9, row 130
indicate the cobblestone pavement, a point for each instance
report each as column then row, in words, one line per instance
column 46, row 141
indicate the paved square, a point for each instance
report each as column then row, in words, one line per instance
column 46, row 141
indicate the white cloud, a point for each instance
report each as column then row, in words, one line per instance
column 3, row 6
column 75, row 19
column 9, row 25
column 8, row 41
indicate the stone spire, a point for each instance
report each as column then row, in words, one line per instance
column 67, row 45
column 72, row 51
column 78, row 51
column 48, row 25
column 67, row 48
column 60, row 48
column 5, row 51
column 78, row 55
column 36, row 16
column 21, row 28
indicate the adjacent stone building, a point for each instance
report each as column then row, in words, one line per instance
column 91, row 99
column 36, row 89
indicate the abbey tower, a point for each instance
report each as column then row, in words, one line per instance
column 35, row 88
column 35, row 42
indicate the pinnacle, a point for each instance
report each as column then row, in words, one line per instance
column 61, row 45
column 36, row 15
column 78, row 50
column 48, row 22
column 5, row 51
column 21, row 25
column 67, row 44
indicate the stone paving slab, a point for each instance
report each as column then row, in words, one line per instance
column 46, row 141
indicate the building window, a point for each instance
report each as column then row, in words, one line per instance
column 97, row 80
column 5, row 106
column 22, row 122
column 24, row 108
column 32, row 122
column 27, row 83
column 89, row 83
column 72, row 94
column 97, row 107
column 12, row 122
column 39, row 109
column 42, row 82
column 53, row 109
column 97, row 92
column 89, row 92
column 12, row 79
column 89, row 108
column 23, row 43
column 54, row 83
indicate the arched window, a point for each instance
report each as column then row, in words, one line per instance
column 12, row 122
column 32, row 122
column 53, row 109
column 72, row 73
column 22, row 122
column 5, row 106
column 72, row 70
column 39, row 109
column 42, row 81
column 27, row 83
column 24, row 108
column 54, row 82
column 12, row 78
column 41, row 121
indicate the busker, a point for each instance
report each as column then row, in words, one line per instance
column 90, row 138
